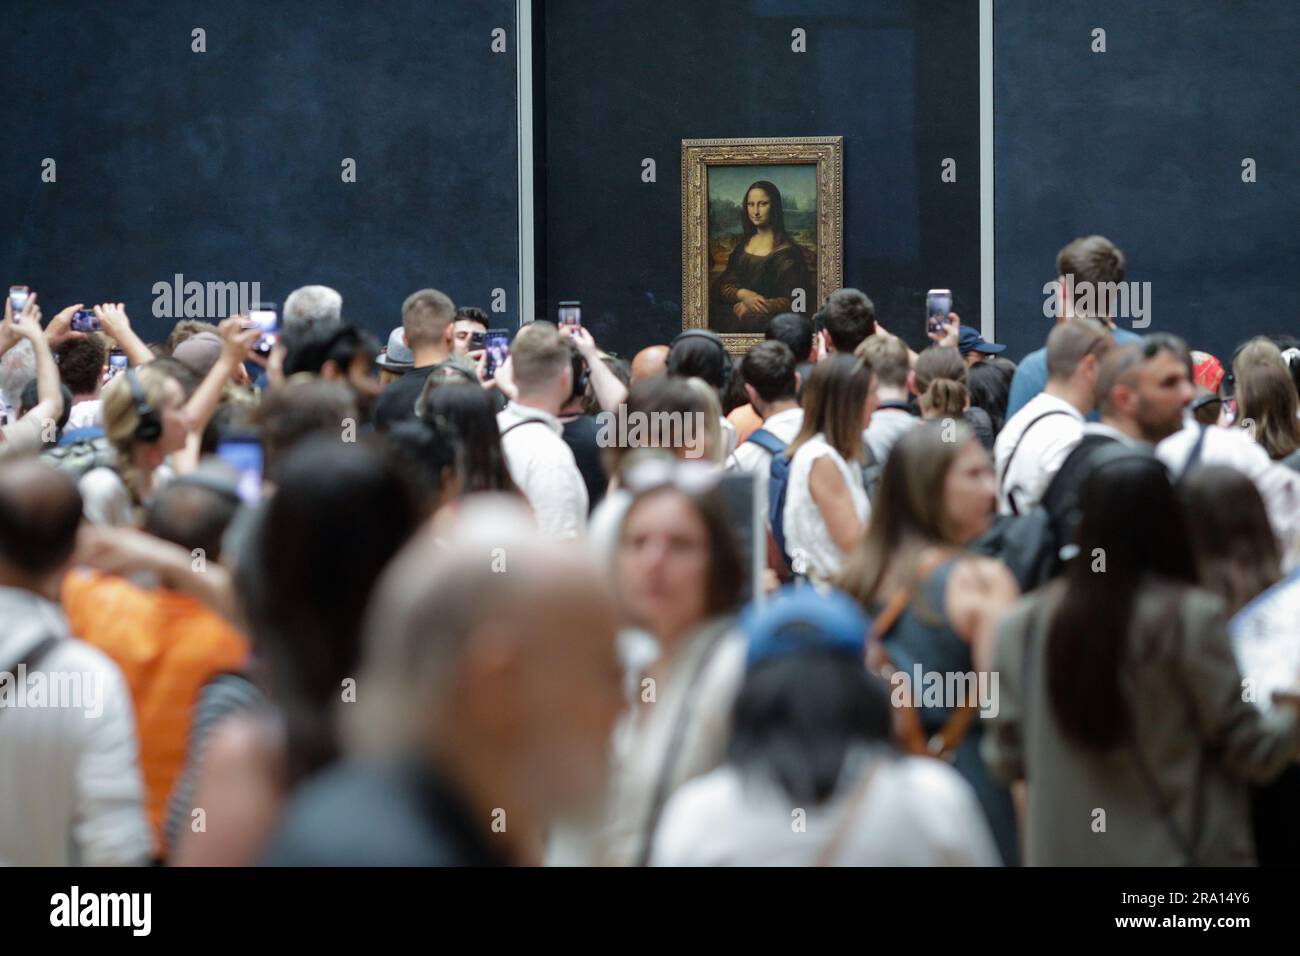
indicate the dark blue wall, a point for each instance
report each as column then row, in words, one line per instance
column 225, row 165
column 629, row 80
column 1143, row 144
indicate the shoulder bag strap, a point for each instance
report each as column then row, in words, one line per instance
column 908, row 727
column 1006, row 467
column 831, row 848
column 671, row 754
column 526, row 421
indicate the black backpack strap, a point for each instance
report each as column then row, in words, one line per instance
column 1002, row 478
column 33, row 656
column 1016, row 447
column 1072, row 471
column 526, row 421
column 897, row 405
column 1195, row 456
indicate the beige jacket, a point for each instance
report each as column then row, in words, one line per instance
column 1200, row 742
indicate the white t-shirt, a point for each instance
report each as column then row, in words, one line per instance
column 808, row 540
column 543, row 467
column 1278, row 485
column 753, row 458
column 915, row 811
column 1039, row 456
column 886, row 427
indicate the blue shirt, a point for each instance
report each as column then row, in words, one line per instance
column 1031, row 374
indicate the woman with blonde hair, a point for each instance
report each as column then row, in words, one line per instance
column 826, row 503
column 154, row 430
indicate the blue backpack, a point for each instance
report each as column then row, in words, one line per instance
column 778, row 478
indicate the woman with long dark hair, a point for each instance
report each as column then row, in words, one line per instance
column 935, row 606
column 765, row 267
column 811, row 730
column 1237, row 558
column 318, row 545
column 466, row 413
column 1122, row 706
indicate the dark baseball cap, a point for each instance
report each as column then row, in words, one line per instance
column 972, row 341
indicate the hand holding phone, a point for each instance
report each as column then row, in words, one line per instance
column 85, row 320
column 498, row 350
column 265, row 316
column 938, row 303
column 116, row 364
column 570, row 313
column 18, row 298
column 243, row 452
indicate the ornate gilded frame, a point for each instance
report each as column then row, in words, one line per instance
column 827, row 152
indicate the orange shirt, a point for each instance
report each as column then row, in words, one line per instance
column 168, row 646
column 746, row 421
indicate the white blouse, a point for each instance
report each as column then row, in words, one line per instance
column 807, row 538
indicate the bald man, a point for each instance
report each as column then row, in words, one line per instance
column 650, row 362
column 485, row 703
column 70, row 786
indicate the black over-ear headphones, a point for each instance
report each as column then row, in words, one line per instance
column 712, row 337
column 148, row 426
column 581, row 374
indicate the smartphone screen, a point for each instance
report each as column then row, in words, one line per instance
column 571, row 313
column 938, row 303
column 265, row 317
column 498, row 349
column 18, row 296
column 478, row 340
column 116, row 363
column 85, row 320
column 244, row 454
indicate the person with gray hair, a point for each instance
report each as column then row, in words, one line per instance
column 312, row 305
column 488, row 691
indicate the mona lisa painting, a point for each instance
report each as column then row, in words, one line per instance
column 761, row 231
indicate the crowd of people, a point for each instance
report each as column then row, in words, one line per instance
column 343, row 603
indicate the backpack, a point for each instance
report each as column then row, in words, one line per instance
column 1035, row 546
column 778, row 477
column 80, row 451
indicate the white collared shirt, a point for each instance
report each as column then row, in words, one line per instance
column 543, row 467
column 1278, row 485
column 1039, row 456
